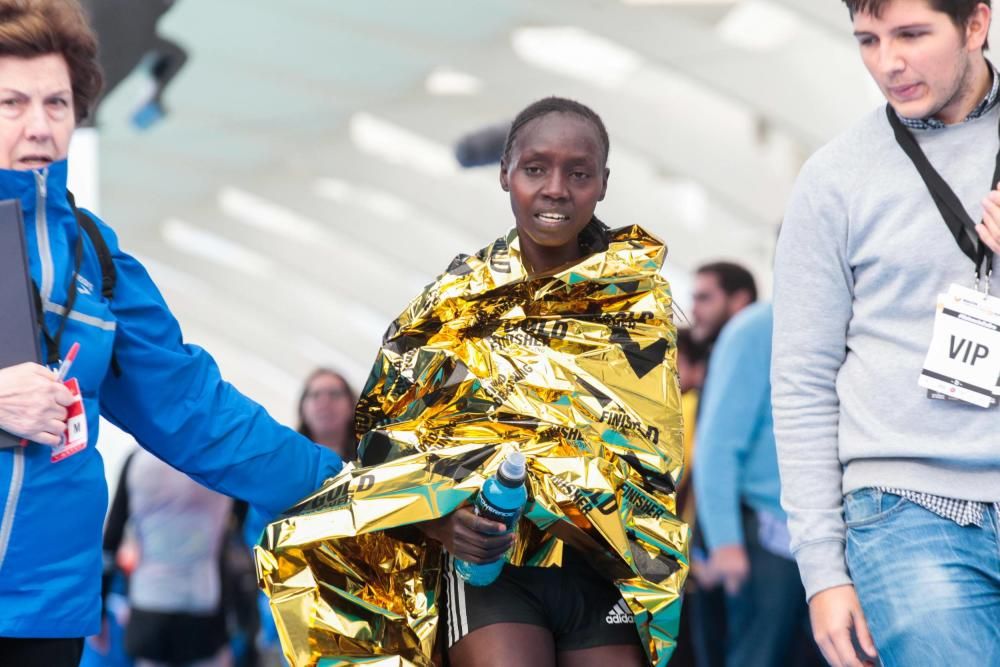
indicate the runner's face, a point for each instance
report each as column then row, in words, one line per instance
column 555, row 176
column 919, row 58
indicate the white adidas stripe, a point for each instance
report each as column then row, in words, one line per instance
column 458, row 622
column 452, row 615
column 463, row 615
column 444, row 614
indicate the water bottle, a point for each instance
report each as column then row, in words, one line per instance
column 501, row 499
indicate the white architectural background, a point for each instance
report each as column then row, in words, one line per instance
column 302, row 187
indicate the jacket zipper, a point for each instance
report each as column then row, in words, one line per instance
column 42, row 232
column 10, row 506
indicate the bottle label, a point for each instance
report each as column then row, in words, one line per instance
column 488, row 510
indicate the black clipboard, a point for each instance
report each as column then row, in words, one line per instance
column 19, row 334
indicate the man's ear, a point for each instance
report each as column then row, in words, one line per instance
column 740, row 300
column 977, row 28
column 504, row 181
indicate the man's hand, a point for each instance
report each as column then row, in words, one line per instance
column 989, row 228
column 33, row 403
column 704, row 577
column 834, row 613
column 730, row 565
column 469, row 537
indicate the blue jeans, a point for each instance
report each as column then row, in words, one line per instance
column 930, row 588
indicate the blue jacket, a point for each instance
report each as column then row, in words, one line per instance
column 735, row 457
column 169, row 395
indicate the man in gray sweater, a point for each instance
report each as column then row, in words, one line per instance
column 892, row 497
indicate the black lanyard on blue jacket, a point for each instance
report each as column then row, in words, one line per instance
column 53, row 340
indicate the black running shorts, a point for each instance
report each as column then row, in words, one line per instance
column 581, row 608
column 175, row 638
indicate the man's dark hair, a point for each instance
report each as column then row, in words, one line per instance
column 732, row 278
column 959, row 11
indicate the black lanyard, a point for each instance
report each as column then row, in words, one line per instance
column 958, row 221
column 52, row 342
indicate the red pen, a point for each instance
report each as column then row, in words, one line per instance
column 67, row 362
column 62, row 372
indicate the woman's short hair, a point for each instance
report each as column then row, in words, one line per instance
column 554, row 104
column 32, row 28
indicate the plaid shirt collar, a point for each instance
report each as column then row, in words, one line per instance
column 983, row 107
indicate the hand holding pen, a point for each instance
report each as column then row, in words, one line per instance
column 44, row 400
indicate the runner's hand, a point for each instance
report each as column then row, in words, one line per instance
column 469, row 537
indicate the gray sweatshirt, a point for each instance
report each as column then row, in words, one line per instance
column 862, row 256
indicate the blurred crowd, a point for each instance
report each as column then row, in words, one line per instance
column 179, row 583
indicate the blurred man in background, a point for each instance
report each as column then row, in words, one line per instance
column 739, row 502
column 721, row 290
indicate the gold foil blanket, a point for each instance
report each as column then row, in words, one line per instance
column 577, row 370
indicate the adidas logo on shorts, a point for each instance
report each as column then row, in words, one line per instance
column 619, row 614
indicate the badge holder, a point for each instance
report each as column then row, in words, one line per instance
column 74, row 439
column 963, row 362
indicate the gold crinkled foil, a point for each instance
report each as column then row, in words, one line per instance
column 577, row 370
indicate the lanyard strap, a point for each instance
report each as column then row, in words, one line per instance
column 53, row 341
column 947, row 202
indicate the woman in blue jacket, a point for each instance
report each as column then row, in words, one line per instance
column 133, row 367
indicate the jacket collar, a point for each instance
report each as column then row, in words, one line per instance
column 24, row 185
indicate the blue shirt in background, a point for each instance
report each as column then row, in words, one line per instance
column 736, row 460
